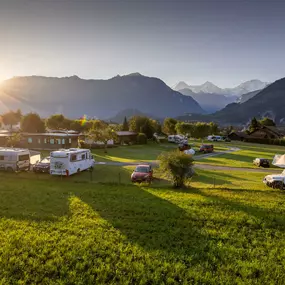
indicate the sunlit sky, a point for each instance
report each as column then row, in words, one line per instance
column 223, row 41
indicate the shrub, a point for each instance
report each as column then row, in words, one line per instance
column 178, row 166
column 141, row 138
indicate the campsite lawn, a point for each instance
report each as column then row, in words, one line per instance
column 245, row 156
column 71, row 231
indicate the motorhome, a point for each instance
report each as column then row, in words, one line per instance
column 177, row 139
column 66, row 162
column 215, row 138
column 14, row 159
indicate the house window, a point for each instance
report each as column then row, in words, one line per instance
column 63, row 141
column 39, row 141
column 45, row 141
column 58, row 141
column 69, row 140
column 51, row 141
column 30, row 140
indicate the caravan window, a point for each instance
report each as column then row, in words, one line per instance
column 73, row 157
column 24, row 157
column 83, row 156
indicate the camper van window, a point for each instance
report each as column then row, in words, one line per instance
column 30, row 140
column 1, row 157
column 73, row 157
column 83, row 156
column 24, row 157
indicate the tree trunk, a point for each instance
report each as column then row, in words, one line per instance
column 105, row 147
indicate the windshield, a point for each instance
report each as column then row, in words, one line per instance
column 143, row 169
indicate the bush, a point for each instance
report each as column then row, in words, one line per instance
column 178, row 166
column 141, row 138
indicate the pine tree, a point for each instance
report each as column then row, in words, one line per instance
column 125, row 125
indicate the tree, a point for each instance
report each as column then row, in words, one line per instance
column 141, row 124
column 141, row 138
column 253, row 124
column 32, row 123
column 12, row 118
column 184, row 128
column 57, row 122
column 178, row 166
column 169, row 126
column 102, row 135
column 125, row 125
column 14, row 140
column 267, row 122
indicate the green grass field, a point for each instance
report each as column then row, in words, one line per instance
column 244, row 157
column 71, row 231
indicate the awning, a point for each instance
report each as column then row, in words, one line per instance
column 279, row 160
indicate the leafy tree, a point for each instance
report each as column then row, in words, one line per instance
column 147, row 129
column 267, row 122
column 142, row 124
column 169, row 126
column 14, row 140
column 12, row 118
column 184, row 128
column 32, row 123
column 253, row 124
column 76, row 125
column 125, row 125
column 57, row 122
column 214, row 128
column 141, row 138
column 102, row 135
column 178, row 166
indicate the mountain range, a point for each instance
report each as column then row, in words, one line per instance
column 213, row 98
column 74, row 97
column 210, row 88
column 268, row 102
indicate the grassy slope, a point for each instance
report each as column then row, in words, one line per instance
column 59, row 231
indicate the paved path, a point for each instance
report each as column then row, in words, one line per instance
column 200, row 165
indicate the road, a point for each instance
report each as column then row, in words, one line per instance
column 200, row 165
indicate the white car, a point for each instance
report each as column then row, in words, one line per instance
column 275, row 180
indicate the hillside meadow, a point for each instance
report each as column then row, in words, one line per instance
column 74, row 231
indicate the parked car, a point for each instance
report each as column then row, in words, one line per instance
column 261, row 162
column 142, row 173
column 183, row 146
column 206, row 148
column 276, row 181
column 42, row 166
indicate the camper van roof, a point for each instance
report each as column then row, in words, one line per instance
column 70, row 150
column 13, row 149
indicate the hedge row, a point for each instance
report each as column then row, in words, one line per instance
column 266, row 141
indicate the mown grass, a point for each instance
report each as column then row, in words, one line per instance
column 57, row 231
column 245, row 156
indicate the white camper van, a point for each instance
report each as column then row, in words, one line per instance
column 70, row 161
column 14, row 159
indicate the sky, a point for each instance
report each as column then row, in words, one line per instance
column 222, row 41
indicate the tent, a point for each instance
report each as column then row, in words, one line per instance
column 279, row 160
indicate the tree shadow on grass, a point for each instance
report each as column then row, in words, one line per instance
column 266, row 216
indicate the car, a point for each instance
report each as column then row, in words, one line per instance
column 206, row 148
column 142, row 173
column 261, row 162
column 42, row 166
column 183, row 146
column 276, row 181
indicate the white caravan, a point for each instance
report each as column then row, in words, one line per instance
column 14, row 159
column 70, row 161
